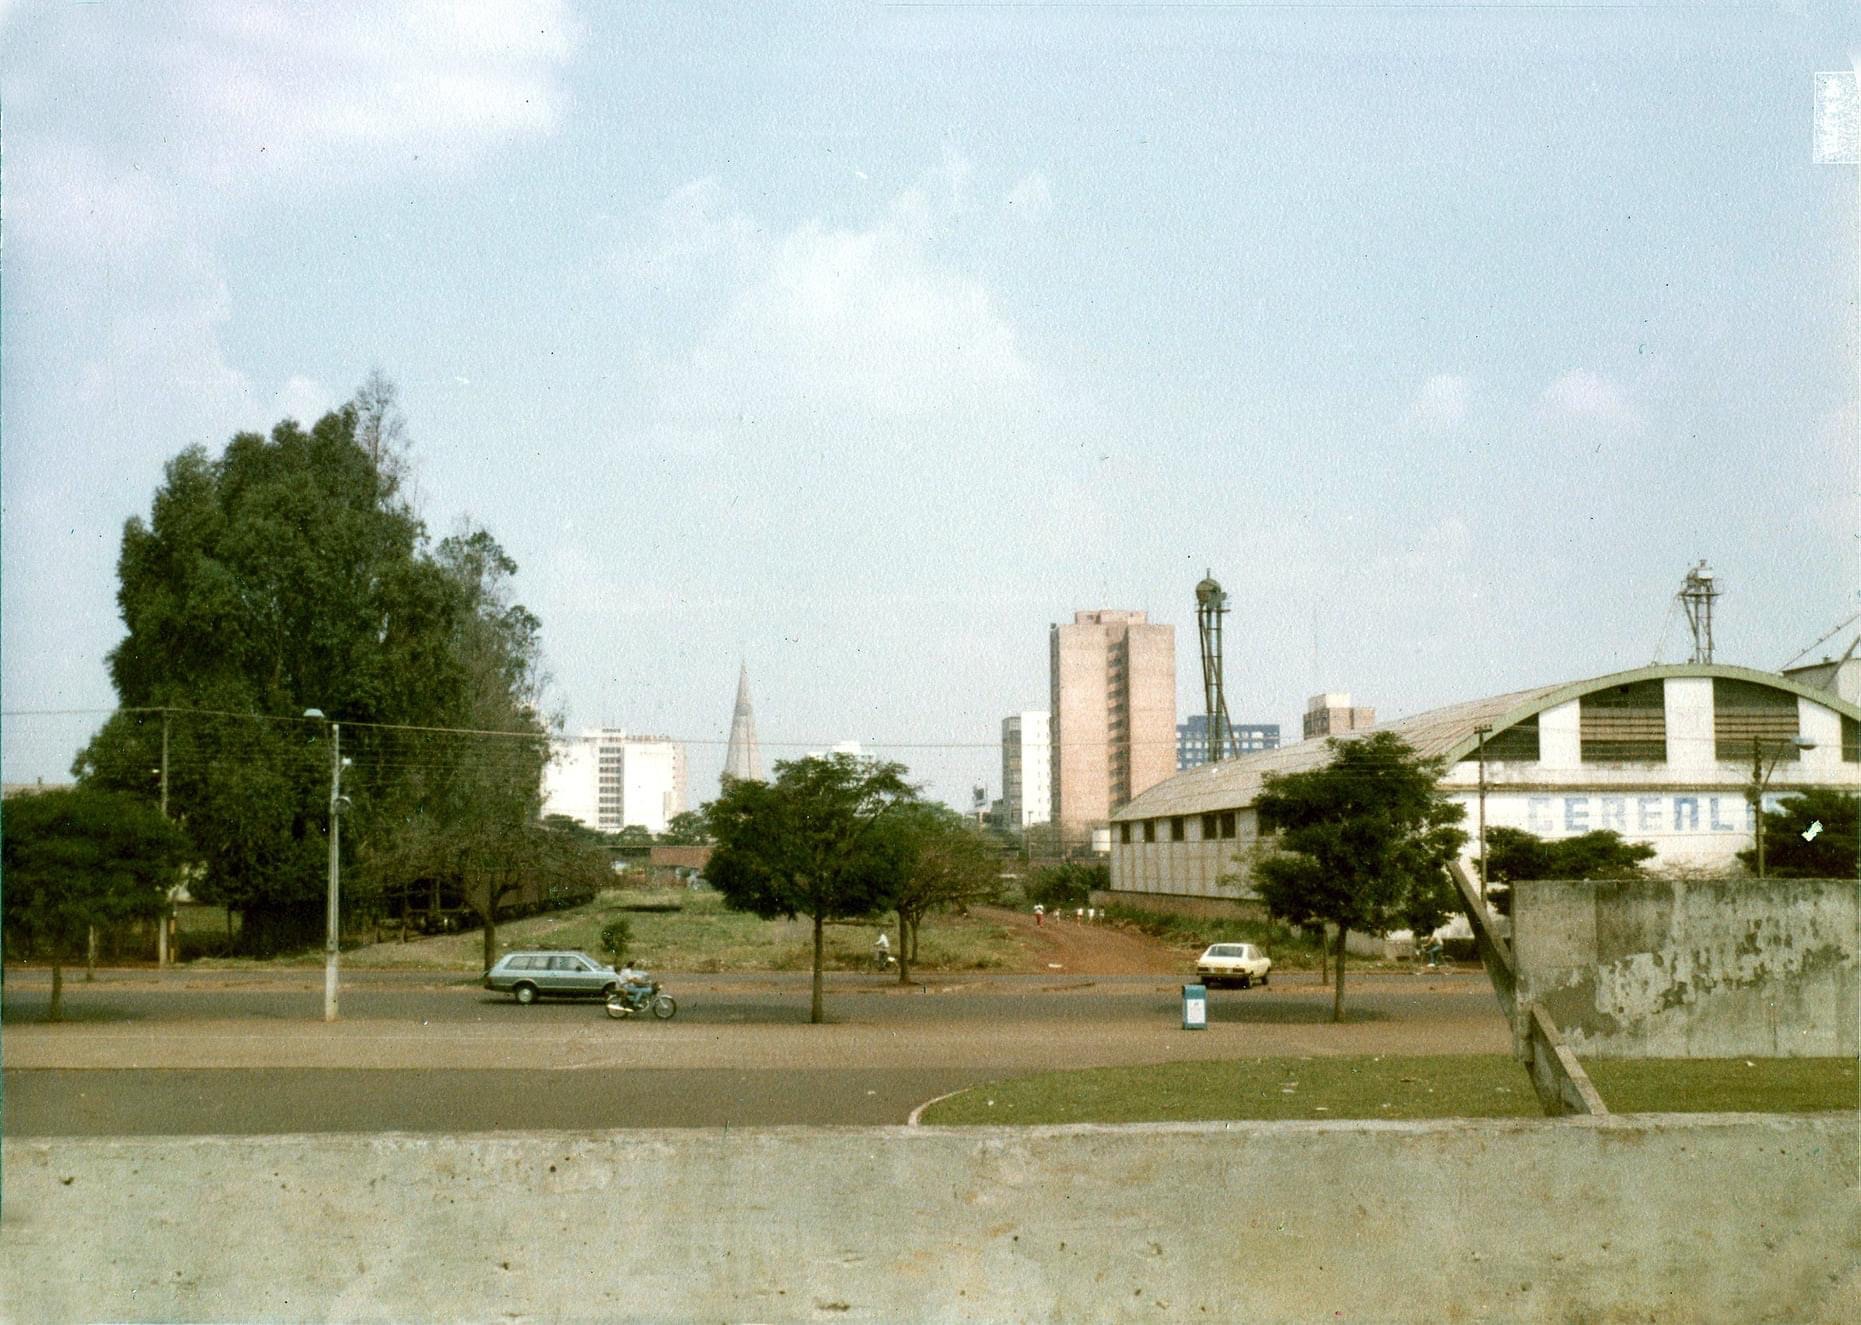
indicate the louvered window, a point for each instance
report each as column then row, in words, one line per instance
column 1750, row 719
column 1517, row 742
column 1624, row 724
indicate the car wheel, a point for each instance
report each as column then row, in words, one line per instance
column 1247, row 982
column 1263, row 981
column 525, row 994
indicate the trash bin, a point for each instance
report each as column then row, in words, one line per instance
column 1195, row 1008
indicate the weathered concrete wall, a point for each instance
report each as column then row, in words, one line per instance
column 1667, row 969
column 1651, row 1218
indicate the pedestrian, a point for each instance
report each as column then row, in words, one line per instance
column 1039, row 913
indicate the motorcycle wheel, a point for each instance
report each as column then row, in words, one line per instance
column 617, row 1009
column 664, row 1006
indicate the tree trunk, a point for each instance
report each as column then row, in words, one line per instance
column 57, row 1011
column 90, row 954
column 490, row 918
column 814, row 1010
column 904, row 949
column 1337, row 997
column 914, row 937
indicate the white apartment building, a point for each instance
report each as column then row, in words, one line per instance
column 1027, row 775
column 606, row 779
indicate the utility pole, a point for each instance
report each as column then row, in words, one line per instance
column 332, row 941
column 1482, row 732
column 166, row 921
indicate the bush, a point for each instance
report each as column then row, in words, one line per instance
column 616, row 934
column 1070, row 884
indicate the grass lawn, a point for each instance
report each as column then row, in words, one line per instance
column 1441, row 1086
column 1726, row 1085
column 684, row 930
column 1448, row 1086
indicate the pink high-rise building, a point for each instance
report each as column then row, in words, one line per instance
column 1113, row 692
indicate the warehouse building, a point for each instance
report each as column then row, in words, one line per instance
column 1662, row 755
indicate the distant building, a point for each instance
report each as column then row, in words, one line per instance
column 1027, row 773
column 1331, row 714
column 742, row 756
column 1661, row 755
column 606, row 779
column 1841, row 677
column 1243, row 738
column 1113, row 714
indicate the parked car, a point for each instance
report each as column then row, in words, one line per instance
column 1240, row 964
column 526, row 976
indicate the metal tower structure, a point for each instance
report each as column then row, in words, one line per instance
column 1211, row 604
column 742, row 758
column 1696, row 596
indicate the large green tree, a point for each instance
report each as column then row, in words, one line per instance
column 1795, row 849
column 1363, row 844
column 287, row 574
column 77, row 857
column 809, row 843
column 937, row 861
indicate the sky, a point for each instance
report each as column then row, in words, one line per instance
column 859, row 343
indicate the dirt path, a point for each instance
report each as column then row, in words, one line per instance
column 1064, row 944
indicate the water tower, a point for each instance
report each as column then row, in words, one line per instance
column 1211, row 604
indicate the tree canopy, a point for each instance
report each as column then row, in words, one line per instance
column 1363, row 843
column 935, row 860
column 1512, row 854
column 288, row 574
column 808, row 843
column 1830, row 853
column 78, row 857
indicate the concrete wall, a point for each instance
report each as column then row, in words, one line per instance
column 1653, row 1218
column 1722, row 969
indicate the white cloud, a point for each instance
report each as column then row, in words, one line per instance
column 870, row 319
column 1441, row 403
column 300, row 398
column 1030, row 199
column 1581, row 394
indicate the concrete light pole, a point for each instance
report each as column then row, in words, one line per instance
column 332, row 936
column 1761, row 777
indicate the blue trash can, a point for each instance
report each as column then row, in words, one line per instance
column 1195, row 1008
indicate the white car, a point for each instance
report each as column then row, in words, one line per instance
column 1240, row 964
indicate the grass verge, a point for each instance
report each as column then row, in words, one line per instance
column 1388, row 1086
column 1392, row 1086
column 1726, row 1085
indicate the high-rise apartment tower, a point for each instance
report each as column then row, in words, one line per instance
column 1113, row 691
column 1027, row 771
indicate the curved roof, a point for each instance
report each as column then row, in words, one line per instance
column 1449, row 733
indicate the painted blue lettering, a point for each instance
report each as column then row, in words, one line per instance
column 1537, row 815
column 1648, row 814
column 1576, row 814
column 1614, row 814
column 1717, row 826
column 1686, row 814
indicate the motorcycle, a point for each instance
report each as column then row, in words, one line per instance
column 645, row 997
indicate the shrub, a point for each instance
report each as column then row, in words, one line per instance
column 616, row 934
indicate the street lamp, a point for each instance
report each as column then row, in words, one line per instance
column 1761, row 778
column 332, row 936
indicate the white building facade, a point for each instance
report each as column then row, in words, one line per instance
column 1027, row 774
column 609, row 780
column 1662, row 755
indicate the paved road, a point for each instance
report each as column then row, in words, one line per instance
column 203, row 1053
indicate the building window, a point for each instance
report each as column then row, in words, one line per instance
column 1211, row 827
column 1851, row 740
column 1749, row 718
column 1517, row 742
column 1124, row 833
column 1150, row 830
column 1179, row 830
column 1624, row 724
column 1227, row 823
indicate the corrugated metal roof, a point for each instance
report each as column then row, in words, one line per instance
column 1450, row 732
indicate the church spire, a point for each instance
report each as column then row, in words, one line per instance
column 742, row 758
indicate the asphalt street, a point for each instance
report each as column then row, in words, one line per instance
column 201, row 1053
